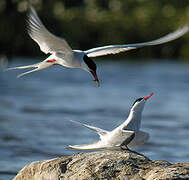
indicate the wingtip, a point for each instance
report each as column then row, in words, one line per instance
column 6, row 69
column 74, row 121
column 72, row 147
column 186, row 27
column 29, row 5
column 183, row 30
column 19, row 76
column 69, row 147
column 31, row 11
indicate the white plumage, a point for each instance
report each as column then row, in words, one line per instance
column 114, row 49
column 62, row 54
column 126, row 135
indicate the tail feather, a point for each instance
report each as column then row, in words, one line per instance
column 23, row 67
column 28, row 72
column 38, row 67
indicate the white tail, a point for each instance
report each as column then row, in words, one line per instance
column 39, row 66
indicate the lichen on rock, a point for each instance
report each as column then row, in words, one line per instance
column 110, row 165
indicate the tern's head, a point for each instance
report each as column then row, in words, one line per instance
column 139, row 103
column 91, row 67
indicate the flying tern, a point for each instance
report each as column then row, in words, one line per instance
column 126, row 135
column 62, row 54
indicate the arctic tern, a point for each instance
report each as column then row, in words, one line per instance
column 124, row 136
column 62, row 54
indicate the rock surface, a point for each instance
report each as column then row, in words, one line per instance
column 114, row 165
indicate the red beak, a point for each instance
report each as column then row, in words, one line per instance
column 95, row 77
column 147, row 97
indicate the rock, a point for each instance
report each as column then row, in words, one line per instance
column 114, row 165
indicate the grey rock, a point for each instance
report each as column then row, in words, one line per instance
column 113, row 165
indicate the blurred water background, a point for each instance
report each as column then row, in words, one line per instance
column 35, row 111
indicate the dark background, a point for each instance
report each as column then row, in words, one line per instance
column 91, row 23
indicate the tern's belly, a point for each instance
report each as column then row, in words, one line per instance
column 69, row 62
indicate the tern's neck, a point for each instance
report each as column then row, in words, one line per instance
column 133, row 121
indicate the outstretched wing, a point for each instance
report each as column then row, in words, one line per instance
column 48, row 42
column 123, row 138
column 101, row 132
column 95, row 145
column 114, row 49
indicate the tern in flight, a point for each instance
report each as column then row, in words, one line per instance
column 124, row 136
column 62, row 54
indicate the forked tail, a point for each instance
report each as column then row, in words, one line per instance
column 39, row 66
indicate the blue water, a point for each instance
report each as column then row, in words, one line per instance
column 35, row 111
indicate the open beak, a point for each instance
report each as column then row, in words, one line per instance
column 95, row 77
column 147, row 97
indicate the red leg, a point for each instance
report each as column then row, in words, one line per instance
column 51, row 60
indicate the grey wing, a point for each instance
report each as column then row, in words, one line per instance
column 101, row 132
column 139, row 139
column 48, row 42
column 124, row 137
column 114, row 49
column 127, row 137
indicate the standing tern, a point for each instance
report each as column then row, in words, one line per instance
column 62, row 54
column 126, row 135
